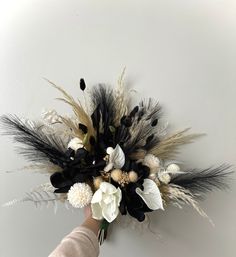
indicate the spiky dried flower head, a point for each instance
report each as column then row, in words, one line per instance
column 80, row 195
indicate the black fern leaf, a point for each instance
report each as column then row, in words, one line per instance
column 38, row 147
column 204, row 180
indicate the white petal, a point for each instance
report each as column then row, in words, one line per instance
column 108, row 167
column 117, row 157
column 108, row 188
column 96, row 211
column 118, row 196
column 97, row 197
column 151, row 195
column 109, row 150
column 109, row 213
column 108, row 199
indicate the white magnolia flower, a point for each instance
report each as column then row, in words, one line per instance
column 152, row 162
column 105, row 202
column 75, row 143
column 80, row 195
column 151, row 195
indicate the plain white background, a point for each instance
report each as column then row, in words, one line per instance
column 181, row 52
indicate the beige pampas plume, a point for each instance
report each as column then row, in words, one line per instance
column 167, row 148
column 44, row 168
column 179, row 195
column 79, row 111
column 120, row 97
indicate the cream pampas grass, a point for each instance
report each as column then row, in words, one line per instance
column 120, row 96
column 167, row 148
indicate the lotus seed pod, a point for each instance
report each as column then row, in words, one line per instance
column 133, row 176
column 116, row 175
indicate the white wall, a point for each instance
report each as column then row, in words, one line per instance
column 181, row 52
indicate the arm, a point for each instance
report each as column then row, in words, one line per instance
column 82, row 241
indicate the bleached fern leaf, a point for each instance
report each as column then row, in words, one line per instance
column 39, row 198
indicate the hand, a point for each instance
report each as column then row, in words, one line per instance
column 87, row 211
column 90, row 222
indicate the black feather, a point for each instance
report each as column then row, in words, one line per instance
column 204, row 180
column 103, row 104
column 37, row 146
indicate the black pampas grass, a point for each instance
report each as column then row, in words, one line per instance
column 201, row 181
column 38, row 147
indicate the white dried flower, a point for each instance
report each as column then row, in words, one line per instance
column 164, row 177
column 172, row 168
column 75, row 143
column 50, row 116
column 152, row 162
column 80, row 195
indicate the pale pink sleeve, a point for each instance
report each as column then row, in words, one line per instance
column 81, row 242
